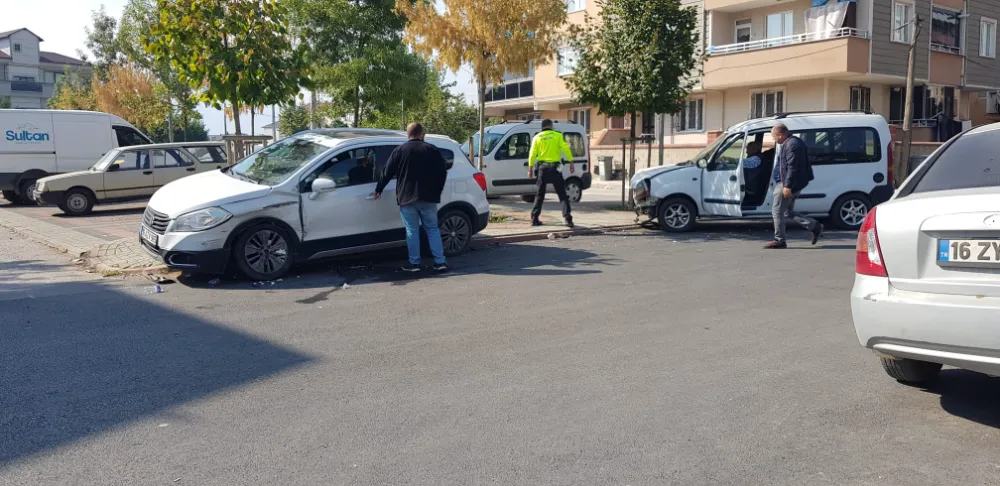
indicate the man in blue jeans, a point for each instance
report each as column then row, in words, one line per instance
column 420, row 172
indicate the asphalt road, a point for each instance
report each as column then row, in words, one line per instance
column 632, row 359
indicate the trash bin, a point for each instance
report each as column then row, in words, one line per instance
column 606, row 162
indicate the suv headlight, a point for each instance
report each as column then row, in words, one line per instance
column 201, row 220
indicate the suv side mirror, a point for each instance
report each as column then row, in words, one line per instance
column 321, row 185
column 703, row 163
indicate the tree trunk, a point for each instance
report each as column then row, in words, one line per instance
column 253, row 121
column 170, row 124
column 482, row 122
column 631, row 159
column 184, row 122
column 236, row 117
column 357, row 106
column 663, row 121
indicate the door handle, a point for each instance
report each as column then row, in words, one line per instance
column 190, row 169
column 147, row 172
column 732, row 178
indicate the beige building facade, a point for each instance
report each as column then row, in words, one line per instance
column 765, row 56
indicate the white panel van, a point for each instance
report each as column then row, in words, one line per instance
column 39, row 143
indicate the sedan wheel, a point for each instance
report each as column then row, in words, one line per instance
column 264, row 253
column 456, row 232
column 77, row 203
column 676, row 215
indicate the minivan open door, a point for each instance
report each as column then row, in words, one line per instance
column 722, row 184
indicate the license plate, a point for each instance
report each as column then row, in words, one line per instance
column 969, row 251
column 150, row 237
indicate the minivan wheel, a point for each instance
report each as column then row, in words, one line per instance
column 10, row 196
column 263, row 252
column 456, row 231
column 910, row 371
column 676, row 215
column 850, row 210
column 574, row 191
column 528, row 199
column 25, row 188
column 78, row 202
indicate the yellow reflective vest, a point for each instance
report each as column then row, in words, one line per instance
column 549, row 146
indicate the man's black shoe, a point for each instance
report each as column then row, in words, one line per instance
column 440, row 267
column 569, row 223
column 536, row 222
column 776, row 245
column 410, row 268
column 817, row 232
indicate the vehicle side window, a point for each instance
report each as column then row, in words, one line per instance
column 841, row 145
column 729, row 157
column 131, row 161
column 382, row 153
column 349, row 168
column 207, row 154
column 970, row 161
column 448, row 156
column 577, row 144
column 128, row 137
column 517, row 146
column 169, row 159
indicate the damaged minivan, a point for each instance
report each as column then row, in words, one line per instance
column 850, row 155
column 305, row 197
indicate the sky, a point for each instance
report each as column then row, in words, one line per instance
column 60, row 24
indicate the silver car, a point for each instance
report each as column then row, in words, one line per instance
column 927, row 285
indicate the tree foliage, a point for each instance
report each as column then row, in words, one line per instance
column 492, row 37
column 293, row 119
column 237, row 51
column 102, row 42
column 133, row 94
column 194, row 131
column 358, row 55
column 4, row 102
column 72, row 92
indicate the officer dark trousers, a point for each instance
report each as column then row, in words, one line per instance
column 547, row 174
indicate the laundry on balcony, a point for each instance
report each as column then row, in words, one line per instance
column 820, row 3
column 826, row 21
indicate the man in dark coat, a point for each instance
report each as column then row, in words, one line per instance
column 794, row 173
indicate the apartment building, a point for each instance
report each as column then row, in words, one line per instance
column 28, row 74
column 767, row 56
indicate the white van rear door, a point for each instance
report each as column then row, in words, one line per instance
column 28, row 142
column 81, row 140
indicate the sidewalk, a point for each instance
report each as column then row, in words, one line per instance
column 107, row 238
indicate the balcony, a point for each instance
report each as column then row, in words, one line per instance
column 26, row 86
column 812, row 55
column 30, row 89
column 511, row 91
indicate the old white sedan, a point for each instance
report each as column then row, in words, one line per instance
column 927, row 285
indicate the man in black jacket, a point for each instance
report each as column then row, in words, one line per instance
column 420, row 172
column 794, row 174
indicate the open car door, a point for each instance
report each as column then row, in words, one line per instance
column 722, row 184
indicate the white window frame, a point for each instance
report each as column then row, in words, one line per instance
column 863, row 92
column 902, row 35
column 782, row 14
column 698, row 124
column 585, row 113
column 573, row 6
column 742, row 24
column 568, row 52
column 764, row 92
column 960, row 49
column 529, row 116
column 990, row 50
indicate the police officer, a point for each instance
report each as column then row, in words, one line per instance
column 548, row 149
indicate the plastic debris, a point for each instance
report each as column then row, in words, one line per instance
column 163, row 425
column 552, row 236
column 78, row 261
column 258, row 284
column 214, row 282
column 345, row 287
column 156, row 289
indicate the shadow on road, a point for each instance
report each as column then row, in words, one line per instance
column 972, row 396
column 751, row 231
column 71, row 369
column 516, row 259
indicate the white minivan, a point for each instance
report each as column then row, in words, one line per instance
column 505, row 158
column 39, row 143
column 305, row 197
column 850, row 155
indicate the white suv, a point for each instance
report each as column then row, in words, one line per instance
column 850, row 155
column 305, row 197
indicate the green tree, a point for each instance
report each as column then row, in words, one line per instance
column 4, row 102
column 640, row 56
column 195, row 131
column 72, row 92
column 102, row 42
column 492, row 37
column 293, row 119
column 237, row 52
column 358, row 54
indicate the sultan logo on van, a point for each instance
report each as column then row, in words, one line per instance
column 27, row 133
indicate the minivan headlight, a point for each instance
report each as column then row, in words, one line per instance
column 201, row 220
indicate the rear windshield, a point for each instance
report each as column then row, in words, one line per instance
column 971, row 161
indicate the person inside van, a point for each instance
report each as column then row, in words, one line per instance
column 364, row 171
column 752, row 170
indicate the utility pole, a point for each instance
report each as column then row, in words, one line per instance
column 663, row 119
column 312, row 110
column 274, row 126
column 402, row 108
column 902, row 162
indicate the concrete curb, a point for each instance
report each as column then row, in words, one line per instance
column 42, row 232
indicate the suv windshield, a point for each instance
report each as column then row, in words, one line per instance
column 492, row 139
column 105, row 161
column 970, row 161
column 707, row 152
column 276, row 162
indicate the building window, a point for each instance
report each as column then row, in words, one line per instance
column 902, row 22
column 861, row 98
column 582, row 117
column 529, row 116
column 691, row 117
column 743, row 31
column 988, row 38
column 766, row 103
column 779, row 25
column 648, row 123
column 946, row 30
column 619, row 122
column 17, row 47
column 566, row 64
column 575, row 5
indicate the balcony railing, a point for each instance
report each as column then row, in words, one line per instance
column 32, row 86
column 510, row 91
column 759, row 44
